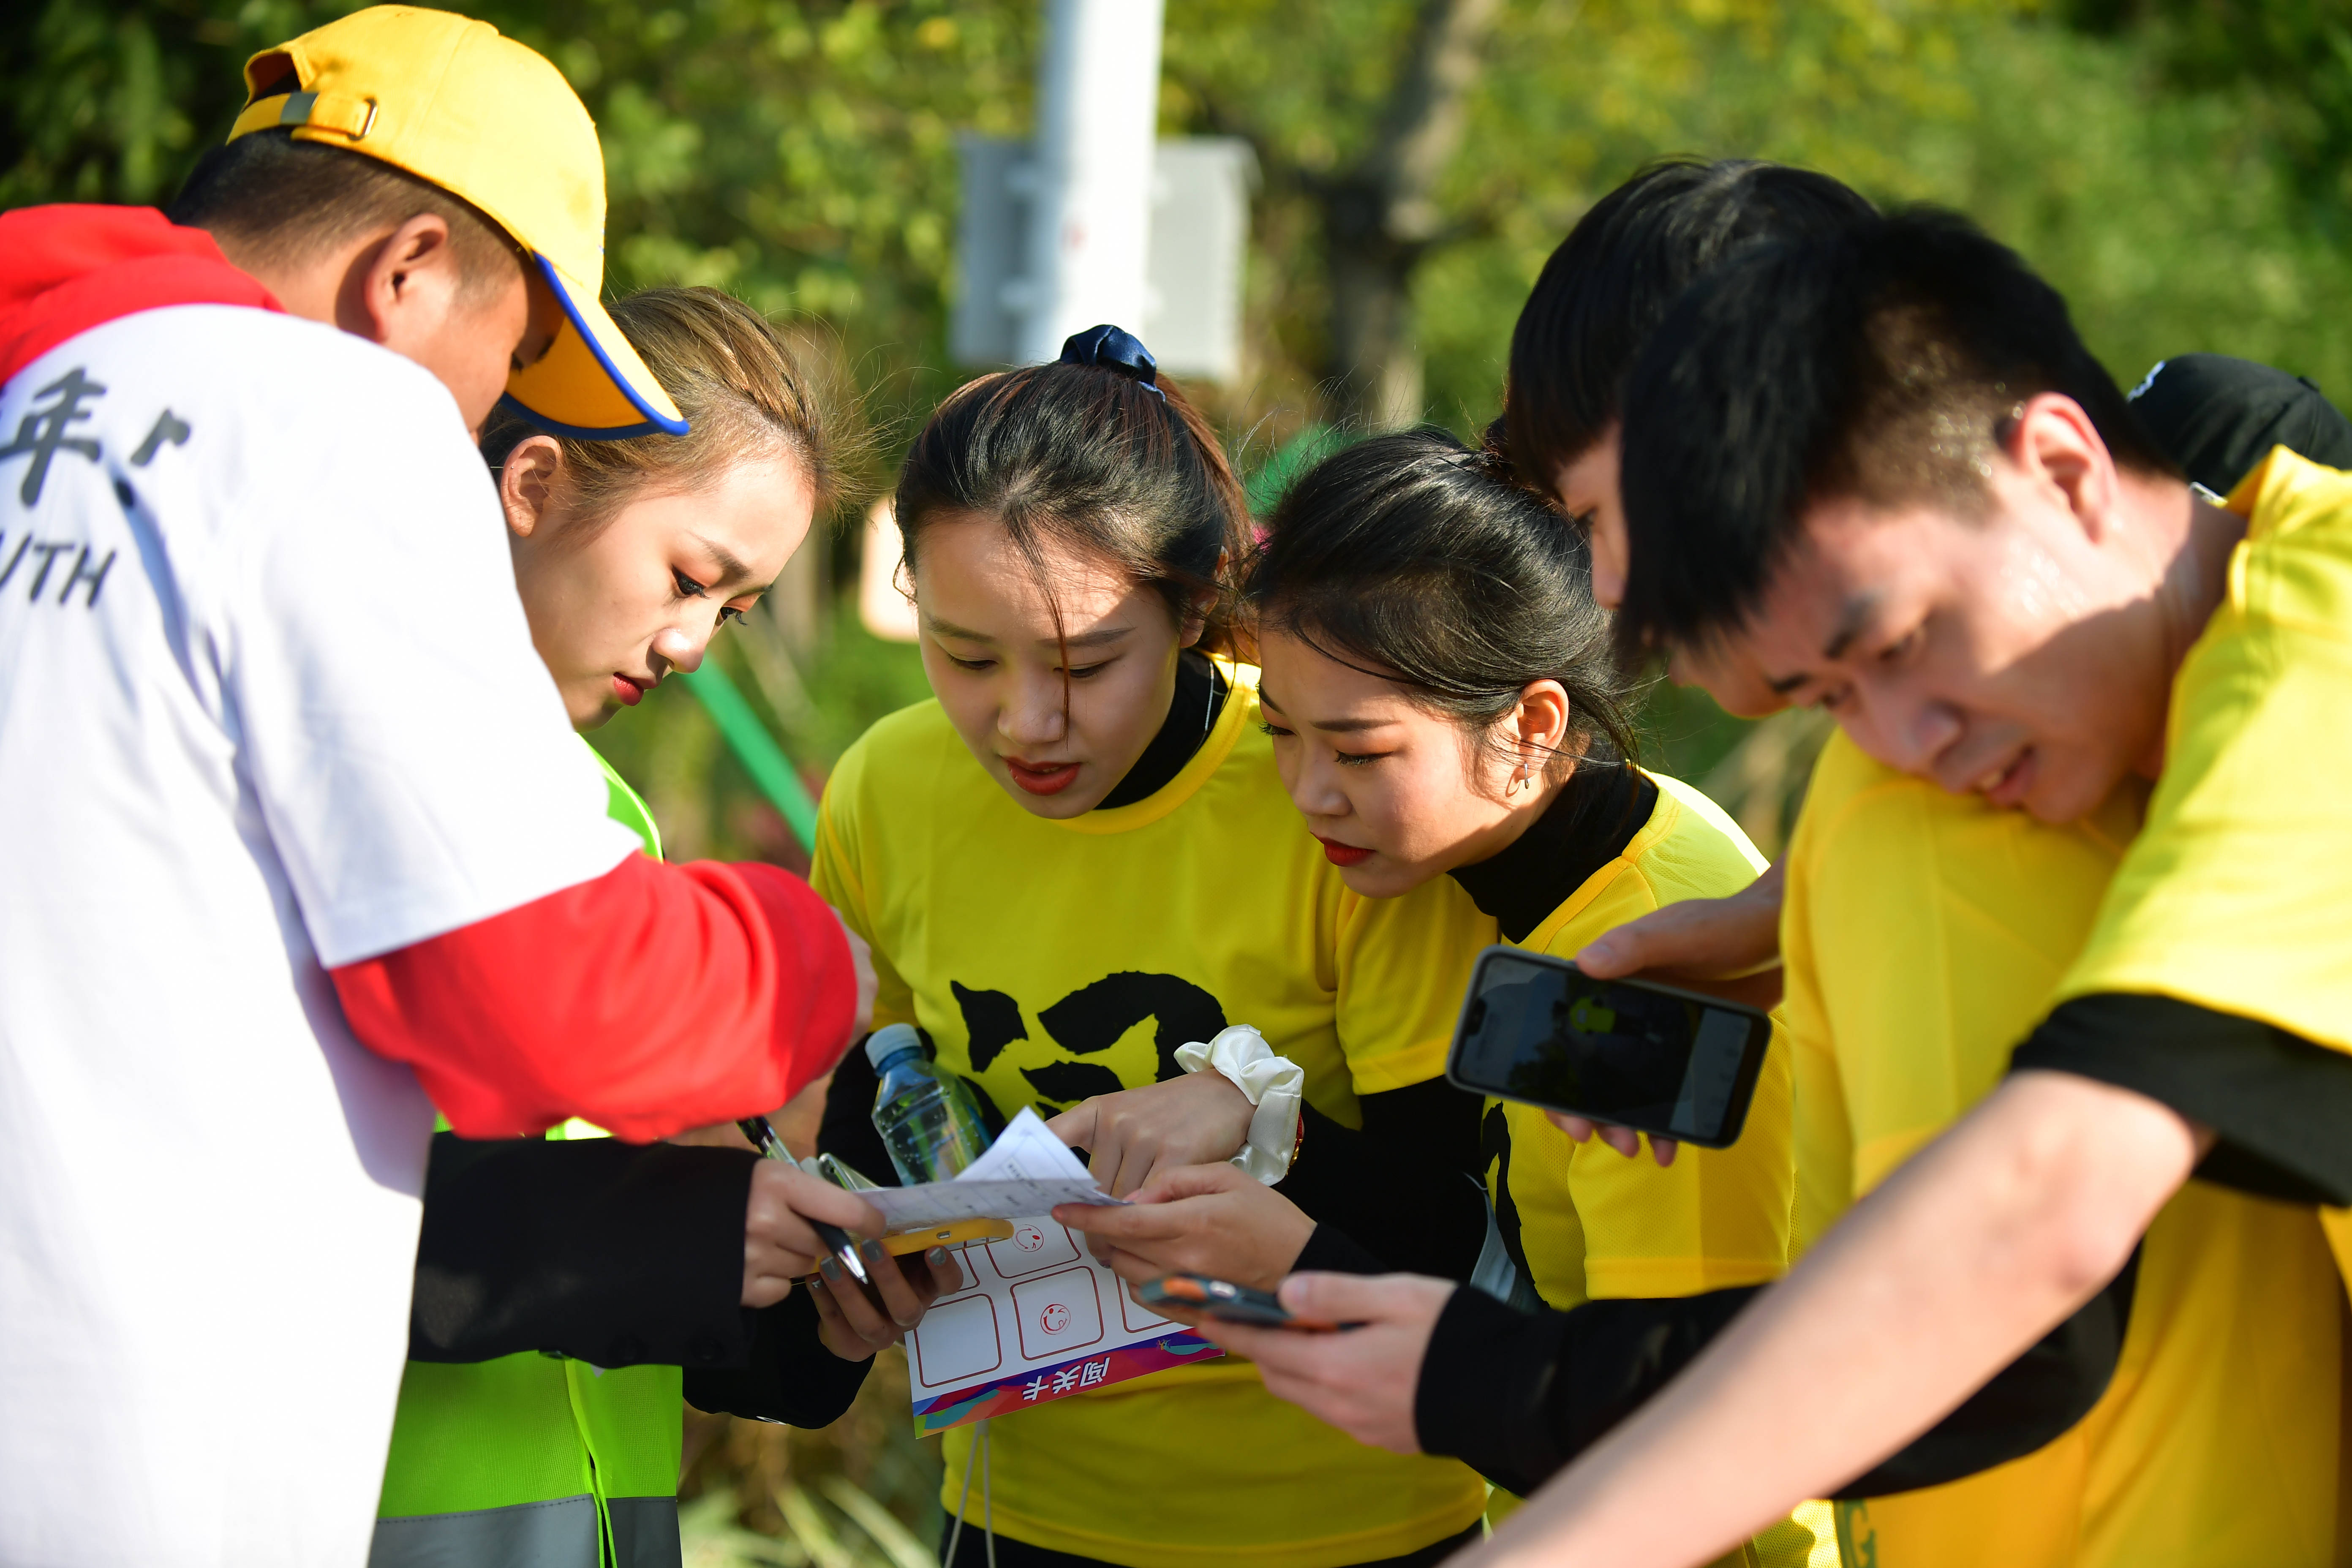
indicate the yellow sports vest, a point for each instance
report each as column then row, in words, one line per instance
column 532, row 1460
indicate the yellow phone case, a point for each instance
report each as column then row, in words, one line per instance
column 963, row 1230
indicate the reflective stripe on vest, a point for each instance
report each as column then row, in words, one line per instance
column 529, row 1460
column 558, row 1534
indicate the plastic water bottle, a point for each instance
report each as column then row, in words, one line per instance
column 928, row 1119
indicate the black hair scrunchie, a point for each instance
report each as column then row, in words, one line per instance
column 1116, row 350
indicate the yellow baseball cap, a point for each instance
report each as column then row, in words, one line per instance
column 449, row 100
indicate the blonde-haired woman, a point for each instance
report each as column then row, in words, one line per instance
column 569, row 1290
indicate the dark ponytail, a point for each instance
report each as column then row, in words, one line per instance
column 1415, row 559
column 1096, row 457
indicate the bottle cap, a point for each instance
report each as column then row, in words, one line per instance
column 891, row 1040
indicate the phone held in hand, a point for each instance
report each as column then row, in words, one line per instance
column 1226, row 1303
column 1674, row 1063
column 956, row 1233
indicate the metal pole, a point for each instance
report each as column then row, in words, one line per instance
column 1090, row 224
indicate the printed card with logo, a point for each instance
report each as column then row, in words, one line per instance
column 1038, row 1319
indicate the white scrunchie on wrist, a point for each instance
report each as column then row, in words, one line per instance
column 1274, row 1084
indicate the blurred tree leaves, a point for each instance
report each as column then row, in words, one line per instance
column 2177, row 166
column 2295, row 54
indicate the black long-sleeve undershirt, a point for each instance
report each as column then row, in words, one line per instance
column 2279, row 1105
column 789, row 1376
column 1406, row 1189
column 1518, row 1396
column 618, row 1255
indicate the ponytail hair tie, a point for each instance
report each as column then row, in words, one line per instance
column 1115, row 350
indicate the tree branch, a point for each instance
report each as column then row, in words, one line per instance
column 1422, row 125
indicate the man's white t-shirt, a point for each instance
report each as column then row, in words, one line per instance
column 268, row 703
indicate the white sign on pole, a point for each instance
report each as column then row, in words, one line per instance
column 1093, row 221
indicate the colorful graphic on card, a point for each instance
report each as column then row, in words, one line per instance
column 1037, row 1320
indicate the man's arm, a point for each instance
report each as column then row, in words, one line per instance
column 1969, row 1254
column 613, row 1253
column 1518, row 1396
column 649, row 1000
column 609, row 1252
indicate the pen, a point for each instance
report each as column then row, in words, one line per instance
column 763, row 1137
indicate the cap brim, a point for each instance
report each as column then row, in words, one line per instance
column 591, row 383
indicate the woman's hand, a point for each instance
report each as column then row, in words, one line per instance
column 1624, row 1140
column 780, row 1244
column 1132, row 1136
column 1197, row 1219
column 1728, row 947
column 857, row 1320
column 1363, row 1379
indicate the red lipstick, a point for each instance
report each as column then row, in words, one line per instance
column 1042, row 778
column 1340, row 854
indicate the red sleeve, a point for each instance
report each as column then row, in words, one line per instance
column 650, row 1000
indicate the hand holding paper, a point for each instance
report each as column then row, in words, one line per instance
column 1199, row 1219
column 1027, row 1171
column 1037, row 1320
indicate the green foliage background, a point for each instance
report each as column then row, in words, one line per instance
column 2179, row 167
column 2183, row 169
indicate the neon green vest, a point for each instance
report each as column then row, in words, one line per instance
column 531, row 1461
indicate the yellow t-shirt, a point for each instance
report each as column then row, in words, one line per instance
column 1922, row 935
column 1049, row 960
column 2232, row 897
column 1593, row 1224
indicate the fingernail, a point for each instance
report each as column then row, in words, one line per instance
column 937, row 1257
column 829, row 1268
column 871, row 1251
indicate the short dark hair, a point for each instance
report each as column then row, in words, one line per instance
column 1882, row 362
column 1410, row 557
column 1089, row 457
column 1623, row 265
column 286, row 200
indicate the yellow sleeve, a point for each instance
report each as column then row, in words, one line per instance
column 2233, row 896
column 1404, row 964
column 1930, row 929
column 837, row 872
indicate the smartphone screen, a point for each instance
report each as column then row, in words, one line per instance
column 1664, row 1060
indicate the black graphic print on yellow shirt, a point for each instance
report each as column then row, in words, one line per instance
column 1048, row 961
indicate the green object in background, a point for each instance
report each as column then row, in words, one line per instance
column 756, row 749
column 1264, row 486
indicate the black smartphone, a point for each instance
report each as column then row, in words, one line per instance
column 1677, row 1063
column 1223, row 1300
